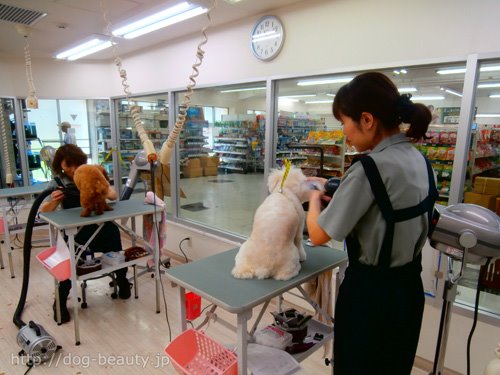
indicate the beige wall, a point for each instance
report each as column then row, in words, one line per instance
column 321, row 36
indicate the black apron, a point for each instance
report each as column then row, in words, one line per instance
column 378, row 313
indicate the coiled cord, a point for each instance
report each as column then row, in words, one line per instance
column 31, row 100
column 5, row 145
column 148, row 146
column 168, row 145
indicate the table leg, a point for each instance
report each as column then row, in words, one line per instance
column 182, row 308
column 242, row 338
column 74, row 286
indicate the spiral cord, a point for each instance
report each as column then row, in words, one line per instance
column 31, row 100
column 168, row 145
column 5, row 145
column 134, row 108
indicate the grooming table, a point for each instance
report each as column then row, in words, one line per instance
column 211, row 279
column 12, row 211
column 69, row 220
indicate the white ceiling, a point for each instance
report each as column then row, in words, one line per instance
column 69, row 21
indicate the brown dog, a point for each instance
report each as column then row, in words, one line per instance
column 93, row 183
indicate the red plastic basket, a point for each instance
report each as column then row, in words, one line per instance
column 194, row 353
column 58, row 266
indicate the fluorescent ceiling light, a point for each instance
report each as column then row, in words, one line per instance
column 319, row 101
column 488, row 115
column 246, row 89
column 298, row 96
column 87, row 48
column 453, row 92
column 288, row 99
column 487, row 85
column 495, row 96
column 428, row 97
column 492, row 68
column 332, row 95
column 324, row 81
column 167, row 17
column 407, row 89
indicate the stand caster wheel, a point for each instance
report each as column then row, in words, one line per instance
column 328, row 362
column 152, row 275
column 84, row 305
column 114, row 295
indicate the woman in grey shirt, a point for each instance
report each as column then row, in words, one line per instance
column 382, row 210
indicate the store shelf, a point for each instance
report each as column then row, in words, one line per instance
column 316, row 327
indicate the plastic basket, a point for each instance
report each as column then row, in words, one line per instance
column 194, row 353
column 56, row 262
column 193, row 306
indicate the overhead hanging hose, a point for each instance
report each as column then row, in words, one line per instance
column 166, row 150
column 31, row 100
column 5, row 145
column 168, row 145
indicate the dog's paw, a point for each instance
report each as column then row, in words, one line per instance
column 242, row 273
column 302, row 254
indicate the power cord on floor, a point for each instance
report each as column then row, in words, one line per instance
column 476, row 308
column 182, row 251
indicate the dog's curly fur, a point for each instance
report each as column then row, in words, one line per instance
column 93, row 183
column 274, row 248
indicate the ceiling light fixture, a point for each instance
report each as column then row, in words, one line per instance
column 428, row 97
column 88, row 47
column 452, row 92
column 490, row 68
column 488, row 85
column 166, row 17
column 488, row 115
column 319, row 101
column 494, row 96
column 245, row 89
column 299, row 96
column 407, row 89
column 324, row 81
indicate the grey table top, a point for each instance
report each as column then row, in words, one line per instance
column 211, row 278
column 70, row 218
column 23, row 190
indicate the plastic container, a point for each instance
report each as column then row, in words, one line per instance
column 193, row 353
column 2, row 228
column 274, row 337
column 193, row 306
column 113, row 258
column 56, row 262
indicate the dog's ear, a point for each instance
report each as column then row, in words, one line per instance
column 274, row 179
column 103, row 171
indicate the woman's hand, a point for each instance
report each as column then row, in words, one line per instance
column 56, row 197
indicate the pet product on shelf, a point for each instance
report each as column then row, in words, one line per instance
column 192, row 353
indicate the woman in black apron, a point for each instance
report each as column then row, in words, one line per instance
column 67, row 158
column 381, row 209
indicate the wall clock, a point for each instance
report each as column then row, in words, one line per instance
column 268, row 36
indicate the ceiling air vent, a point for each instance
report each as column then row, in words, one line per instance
column 23, row 16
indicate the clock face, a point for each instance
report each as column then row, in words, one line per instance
column 268, row 36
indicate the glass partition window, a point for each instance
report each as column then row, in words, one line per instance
column 9, row 156
column 483, row 182
column 221, row 157
column 153, row 114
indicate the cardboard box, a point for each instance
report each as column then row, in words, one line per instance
column 192, row 172
column 209, row 161
column 485, row 200
column 209, row 171
column 487, row 185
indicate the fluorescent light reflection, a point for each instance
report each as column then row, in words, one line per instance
column 427, row 97
column 245, row 89
column 494, row 96
column 325, row 81
column 492, row 68
column 319, row 101
column 407, row 89
column 488, row 115
column 265, row 36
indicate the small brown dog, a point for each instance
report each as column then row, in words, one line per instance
column 93, row 183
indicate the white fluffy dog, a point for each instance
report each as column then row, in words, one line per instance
column 274, row 248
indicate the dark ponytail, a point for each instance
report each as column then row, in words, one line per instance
column 375, row 93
